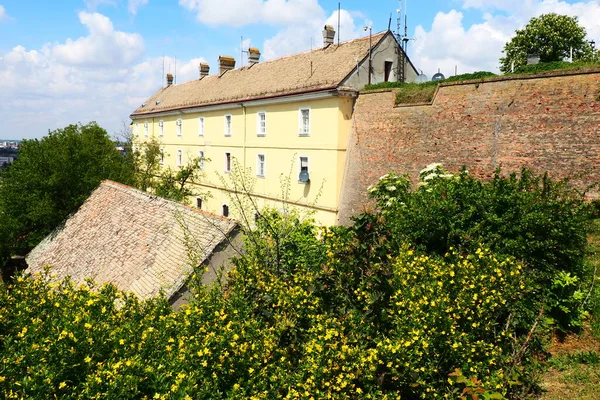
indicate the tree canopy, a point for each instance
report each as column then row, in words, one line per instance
column 551, row 36
column 50, row 179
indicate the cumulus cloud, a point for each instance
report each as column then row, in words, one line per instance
column 247, row 12
column 300, row 37
column 449, row 43
column 93, row 4
column 134, row 5
column 102, row 47
column 43, row 88
column 3, row 14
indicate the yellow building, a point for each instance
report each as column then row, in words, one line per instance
column 287, row 117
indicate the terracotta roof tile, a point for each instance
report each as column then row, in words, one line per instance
column 131, row 239
column 320, row 69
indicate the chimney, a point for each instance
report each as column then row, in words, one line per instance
column 253, row 56
column 204, row 70
column 226, row 63
column 328, row 35
column 169, row 80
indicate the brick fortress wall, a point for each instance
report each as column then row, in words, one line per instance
column 548, row 122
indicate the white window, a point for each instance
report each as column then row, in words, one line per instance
column 228, row 125
column 179, row 127
column 179, row 158
column 199, row 202
column 137, row 129
column 161, row 127
column 261, row 123
column 146, row 128
column 225, row 211
column 201, row 161
column 227, row 162
column 201, row 126
column 304, row 122
column 260, row 165
column 303, row 166
column 162, row 156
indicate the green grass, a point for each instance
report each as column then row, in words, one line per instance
column 554, row 66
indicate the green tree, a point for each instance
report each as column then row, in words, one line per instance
column 552, row 36
column 51, row 178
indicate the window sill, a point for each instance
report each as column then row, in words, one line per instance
column 304, row 183
column 260, row 176
column 261, row 134
column 303, row 134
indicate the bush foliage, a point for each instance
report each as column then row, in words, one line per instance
column 409, row 303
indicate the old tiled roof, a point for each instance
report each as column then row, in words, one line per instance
column 137, row 241
column 315, row 70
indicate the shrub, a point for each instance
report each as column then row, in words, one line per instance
column 533, row 218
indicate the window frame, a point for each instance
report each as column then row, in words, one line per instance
column 137, row 129
column 162, row 156
column 201, row 161
column 201, row 126
column 146, row 128
column 228, row 127
column 259, row 132
column 199, row 202
column 161, row 126
column 301, row 131
column 225, row 207
column 300, row 166
column 179, row 157
column 227, row 160
column 258, row 164
column 179, row 125
column 387, row 73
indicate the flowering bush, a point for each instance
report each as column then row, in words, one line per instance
column 353, row 318
column 537, row 220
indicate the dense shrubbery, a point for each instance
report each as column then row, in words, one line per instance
column 346, row 312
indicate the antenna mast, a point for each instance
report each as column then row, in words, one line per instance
column 402, row 37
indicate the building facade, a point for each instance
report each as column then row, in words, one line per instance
column 286, row 122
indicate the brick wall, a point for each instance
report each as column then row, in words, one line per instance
column 547, row 122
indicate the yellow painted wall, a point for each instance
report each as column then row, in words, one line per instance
column 330, row 123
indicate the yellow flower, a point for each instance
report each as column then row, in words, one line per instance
column 87, row 359
column 62, row 385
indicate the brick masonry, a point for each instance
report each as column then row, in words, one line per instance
column 548, row 122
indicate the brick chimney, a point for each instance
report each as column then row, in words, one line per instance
column 253, row 56
column 328, row 35
column 169, row 79
column 204, row 70
column 226, row 63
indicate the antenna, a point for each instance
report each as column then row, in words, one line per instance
column 162, row 77
column 339, row 16
column 175, row 70
column 390, row 22
column 242, row 51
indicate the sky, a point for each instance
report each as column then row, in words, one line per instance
column 70, row 61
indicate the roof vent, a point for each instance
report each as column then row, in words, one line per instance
column 169, row 79
column 328, row 35
column 204, row 70
column 253, row 56
column 226, row 63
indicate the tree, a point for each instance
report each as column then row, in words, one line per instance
column 552, row 37
column 51, row 178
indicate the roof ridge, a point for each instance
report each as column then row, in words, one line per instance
column 127, row 188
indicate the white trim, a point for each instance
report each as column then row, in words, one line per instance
column 253, row 103
column 137, row 129
column 301, row 131
column 300, row 165
column 179, row 126
column 161, row 126
column 227, row 129
column 146, row 128
column 264, row 165
column 258, row 125
column 225, row 164
column 200, row 126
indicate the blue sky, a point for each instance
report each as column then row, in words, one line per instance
column 80, row 60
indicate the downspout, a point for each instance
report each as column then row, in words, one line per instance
column 244, row 143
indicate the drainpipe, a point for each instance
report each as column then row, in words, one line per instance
column 244, row 144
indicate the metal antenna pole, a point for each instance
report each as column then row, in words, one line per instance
column 339, row 13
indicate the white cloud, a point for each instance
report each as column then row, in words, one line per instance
column 43, row 89
column 300, row 37
column 134, row 5
column 450, row 43
column 93, row 4
column 102, row 47
column 247, row 12
column 3, row 14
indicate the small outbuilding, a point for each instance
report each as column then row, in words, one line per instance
column 139, row 242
